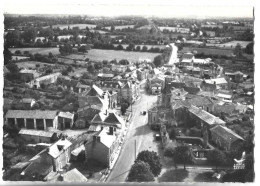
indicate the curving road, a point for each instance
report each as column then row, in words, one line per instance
column 137, row 132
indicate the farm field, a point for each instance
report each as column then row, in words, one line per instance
column 231, row 44
column 209, row 51
column 173, row 29
column 99, row 31
column 45, row 51
column 148, row 46
column 32, row 64
column 81, row 26
column 100, row 55
column 94, row 54
column 120, row 27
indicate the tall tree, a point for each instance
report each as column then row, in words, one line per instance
column 217, row 157
column 238, row 50
column 158, row 61
column 249, row 48
column 30, row 35
column 152, row 159
column 182, row 154
column 7, row 55
column 12, row 67
column 140, row 172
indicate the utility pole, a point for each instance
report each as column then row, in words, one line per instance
column 135, row 149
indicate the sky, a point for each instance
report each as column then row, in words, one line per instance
column 162, row 8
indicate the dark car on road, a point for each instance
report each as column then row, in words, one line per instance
column 143, row 113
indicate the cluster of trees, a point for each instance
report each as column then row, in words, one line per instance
column 130, row 47
column 124, row 105
column 158, row 61
column 146, row 167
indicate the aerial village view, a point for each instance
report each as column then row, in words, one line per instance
column 128, row 98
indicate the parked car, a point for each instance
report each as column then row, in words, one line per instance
column 143, row 112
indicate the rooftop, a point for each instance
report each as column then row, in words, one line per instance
column 48, row 76
column 54, row 150
column 216, row 81
column 226, row 133
column 66, row 115
column 31, row 114
column 32, row 132
column 205, row 116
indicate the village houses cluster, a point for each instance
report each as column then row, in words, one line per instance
column 192, row 94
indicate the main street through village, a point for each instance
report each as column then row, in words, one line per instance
column 134, row 142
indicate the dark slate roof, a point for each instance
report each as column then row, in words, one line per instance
column 94, row 91
column 40, row 168
column 178, row 84
column 226, row 133
column 226, row 108
column 179, row 104
column 205, row 116
column 111, row 84
column 31, row 114
column 74, row 176
column 200, row 101
column 191, row 90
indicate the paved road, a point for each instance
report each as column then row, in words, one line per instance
column 135, row 133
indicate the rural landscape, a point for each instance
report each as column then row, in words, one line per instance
column 129, row 98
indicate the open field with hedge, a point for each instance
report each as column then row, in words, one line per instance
column 231, row 44
column 81, row 26
column 100, row 55
column 209, row 51
column 44, row 51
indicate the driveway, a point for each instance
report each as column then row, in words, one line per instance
column 140, row 134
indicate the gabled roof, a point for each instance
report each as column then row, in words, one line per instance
column 54, row 151
column 95, row 91
column 191, row 90
column 79, row 85
column 106, row 139
column 74, row 176
column 114, row 118
column 106, row 75
column 110, row 119
column 225, row 108
column 111, row 84
column 40, row 133
column 216, row 81
column 186, row 61
column 31, row 114
column 48, row 76
column 66, row 115
column 127, row 85
column 205, row 116
column 99, row 118
column 179, row 104
column 200, row 101
column 226, row 133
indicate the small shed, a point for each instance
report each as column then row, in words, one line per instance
column 65, row 119
column 38, row 136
